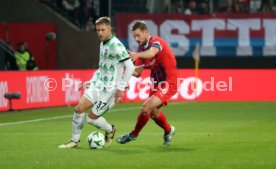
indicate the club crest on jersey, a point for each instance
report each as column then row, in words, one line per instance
column 105, row 51
column 152, row 62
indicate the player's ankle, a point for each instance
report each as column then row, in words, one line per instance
column 134, row 134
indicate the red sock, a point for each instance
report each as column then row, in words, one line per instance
column 141, row 122
column 162, row 122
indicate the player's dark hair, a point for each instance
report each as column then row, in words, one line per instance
column 139, row 25
column 103, row 20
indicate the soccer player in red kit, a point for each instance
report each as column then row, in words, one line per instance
column 154, row 53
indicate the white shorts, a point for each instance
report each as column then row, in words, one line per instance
column 102, row 101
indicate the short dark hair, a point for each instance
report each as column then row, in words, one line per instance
column 103, row 20
column 140, row 25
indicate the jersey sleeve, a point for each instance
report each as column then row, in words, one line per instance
column 119, row 51
column 157, row 44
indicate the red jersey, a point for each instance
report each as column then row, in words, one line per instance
column 163, row 64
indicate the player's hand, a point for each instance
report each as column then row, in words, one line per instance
column 85, row 85
column 118, row 96
column 133, row 55
column 129, row 51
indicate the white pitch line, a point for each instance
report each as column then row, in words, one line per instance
column 35, row 120
column 60, row 117
column 67, row 116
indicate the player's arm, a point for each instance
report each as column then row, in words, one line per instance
column 129, row 69
column 150, row 53
column 138, row 71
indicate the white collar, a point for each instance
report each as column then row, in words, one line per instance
column 147, row 44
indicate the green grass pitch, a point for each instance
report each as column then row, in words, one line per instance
column 210, row 135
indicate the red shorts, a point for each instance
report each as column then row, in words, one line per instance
column 164, row 94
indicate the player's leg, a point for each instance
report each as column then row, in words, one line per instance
column 77, row 123
column 159, row 117
column 148, row 106
column 101, row 123
column 96, row 119
column 142, row 120
column 161, row 120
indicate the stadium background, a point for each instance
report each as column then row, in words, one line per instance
column 242, row 38
column 229, row 128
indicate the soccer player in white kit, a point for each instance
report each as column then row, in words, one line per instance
column 106, row 87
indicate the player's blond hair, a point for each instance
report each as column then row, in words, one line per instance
column 103, row 20
column 140, row 25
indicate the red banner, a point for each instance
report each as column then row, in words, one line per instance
column 214, row 85
column 42, row 88
column 59, row 88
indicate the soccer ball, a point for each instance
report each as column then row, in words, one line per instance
column 96, row 140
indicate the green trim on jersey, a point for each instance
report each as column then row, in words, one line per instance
column 107, row 42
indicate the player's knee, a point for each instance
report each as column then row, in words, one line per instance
column 91, row 121
column 91, row 115
column 77, row 109
column 154, row 114
column 146, row 109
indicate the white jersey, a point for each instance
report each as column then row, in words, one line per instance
column 111, row 69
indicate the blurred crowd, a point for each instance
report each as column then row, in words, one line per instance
column 83, row 13
column 189, row 7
